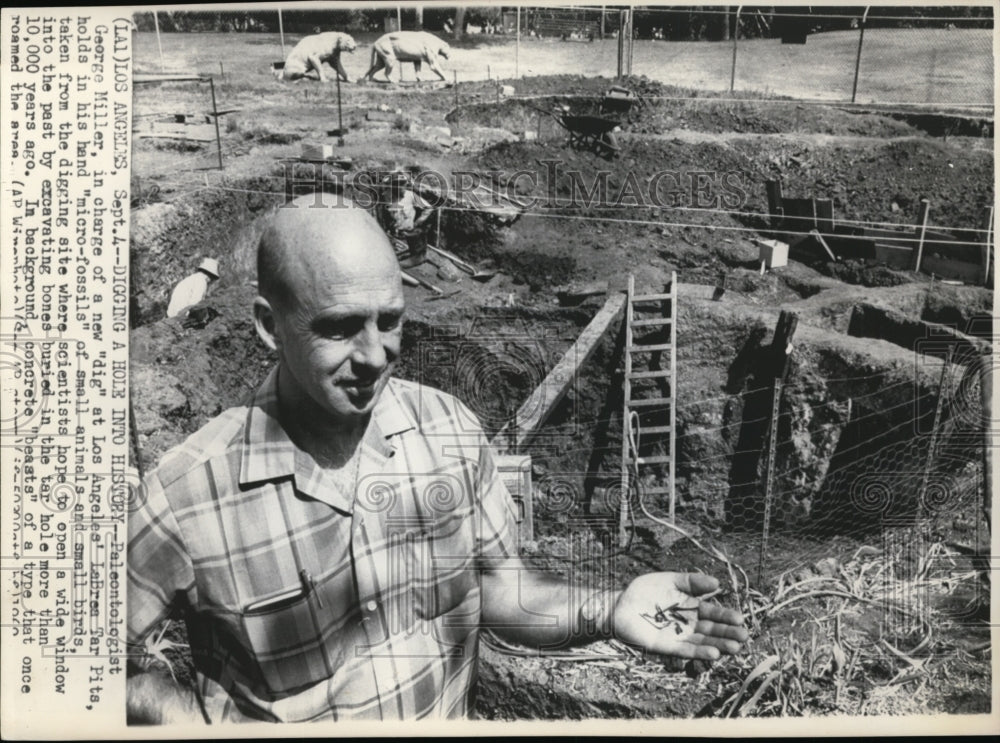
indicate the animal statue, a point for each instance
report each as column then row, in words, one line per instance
column 407, row 46
column 307, row 57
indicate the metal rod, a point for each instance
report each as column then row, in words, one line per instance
column 769, row 479
column 857, row 62
column 736, row 39
column 918, row 254
column 673, row 394
column 455, row 73
column 281, row 31
column 987, row 244
column 215, row 118
column 156, row 22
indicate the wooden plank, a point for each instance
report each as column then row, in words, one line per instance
column 553, row 388
column 775, row 206
column 824, row 215
column 969, row 273
column 925, row 209
column 800, row 214
column 894, row 255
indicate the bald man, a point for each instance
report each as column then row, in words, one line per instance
column 307, row 57
column 336, row 544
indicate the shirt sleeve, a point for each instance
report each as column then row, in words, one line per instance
column 187, row 293
column 159, row 566
column 498, row 530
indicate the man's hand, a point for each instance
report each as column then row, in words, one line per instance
column 661, row 612
column 154, row 699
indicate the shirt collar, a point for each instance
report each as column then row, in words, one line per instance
column 269, row 454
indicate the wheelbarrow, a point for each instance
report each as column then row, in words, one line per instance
column 619, row 100
column 591, row 133
column 594, row 133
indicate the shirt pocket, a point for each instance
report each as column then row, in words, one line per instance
column 441, row 567
column 282, row 633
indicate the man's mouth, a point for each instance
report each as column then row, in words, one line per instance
column 361, row 387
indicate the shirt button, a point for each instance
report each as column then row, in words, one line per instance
column 371, row 606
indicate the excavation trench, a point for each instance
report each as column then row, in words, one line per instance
column 845, row 450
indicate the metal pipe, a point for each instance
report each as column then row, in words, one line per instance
column 857, row 62
column 281, row 31
column 156, row 22
column 736, row 38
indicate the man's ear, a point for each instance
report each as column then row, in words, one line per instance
column 264, row 321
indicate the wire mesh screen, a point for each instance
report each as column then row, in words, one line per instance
column 841, row 463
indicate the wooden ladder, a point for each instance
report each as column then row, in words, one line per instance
column 637, row 361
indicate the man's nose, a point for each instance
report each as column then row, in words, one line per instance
column 369, row 350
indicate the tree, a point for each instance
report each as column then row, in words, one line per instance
column 420, row 18
column 459, row 23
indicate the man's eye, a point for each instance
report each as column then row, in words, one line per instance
column 339, row 328
column 389, row 322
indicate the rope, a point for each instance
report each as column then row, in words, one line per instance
column 713, row 552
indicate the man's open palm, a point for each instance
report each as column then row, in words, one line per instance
column 661, row 612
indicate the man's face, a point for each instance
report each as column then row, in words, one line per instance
column 340, row 337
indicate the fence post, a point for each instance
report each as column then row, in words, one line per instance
column 736, row 39
column 340, row 115
column 857, row 62
column 215, row 118
column 517, row 47
column 631, row 39
column 621, row 42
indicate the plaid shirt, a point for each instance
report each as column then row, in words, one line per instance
column 305, row 601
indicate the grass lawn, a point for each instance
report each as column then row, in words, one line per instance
column 921, row 66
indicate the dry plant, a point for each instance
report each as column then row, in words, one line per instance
column 866, row 639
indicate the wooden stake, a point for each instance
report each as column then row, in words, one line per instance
column 215, row 117
column 918, row 254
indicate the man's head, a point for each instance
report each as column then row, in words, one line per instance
column 331, row 306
